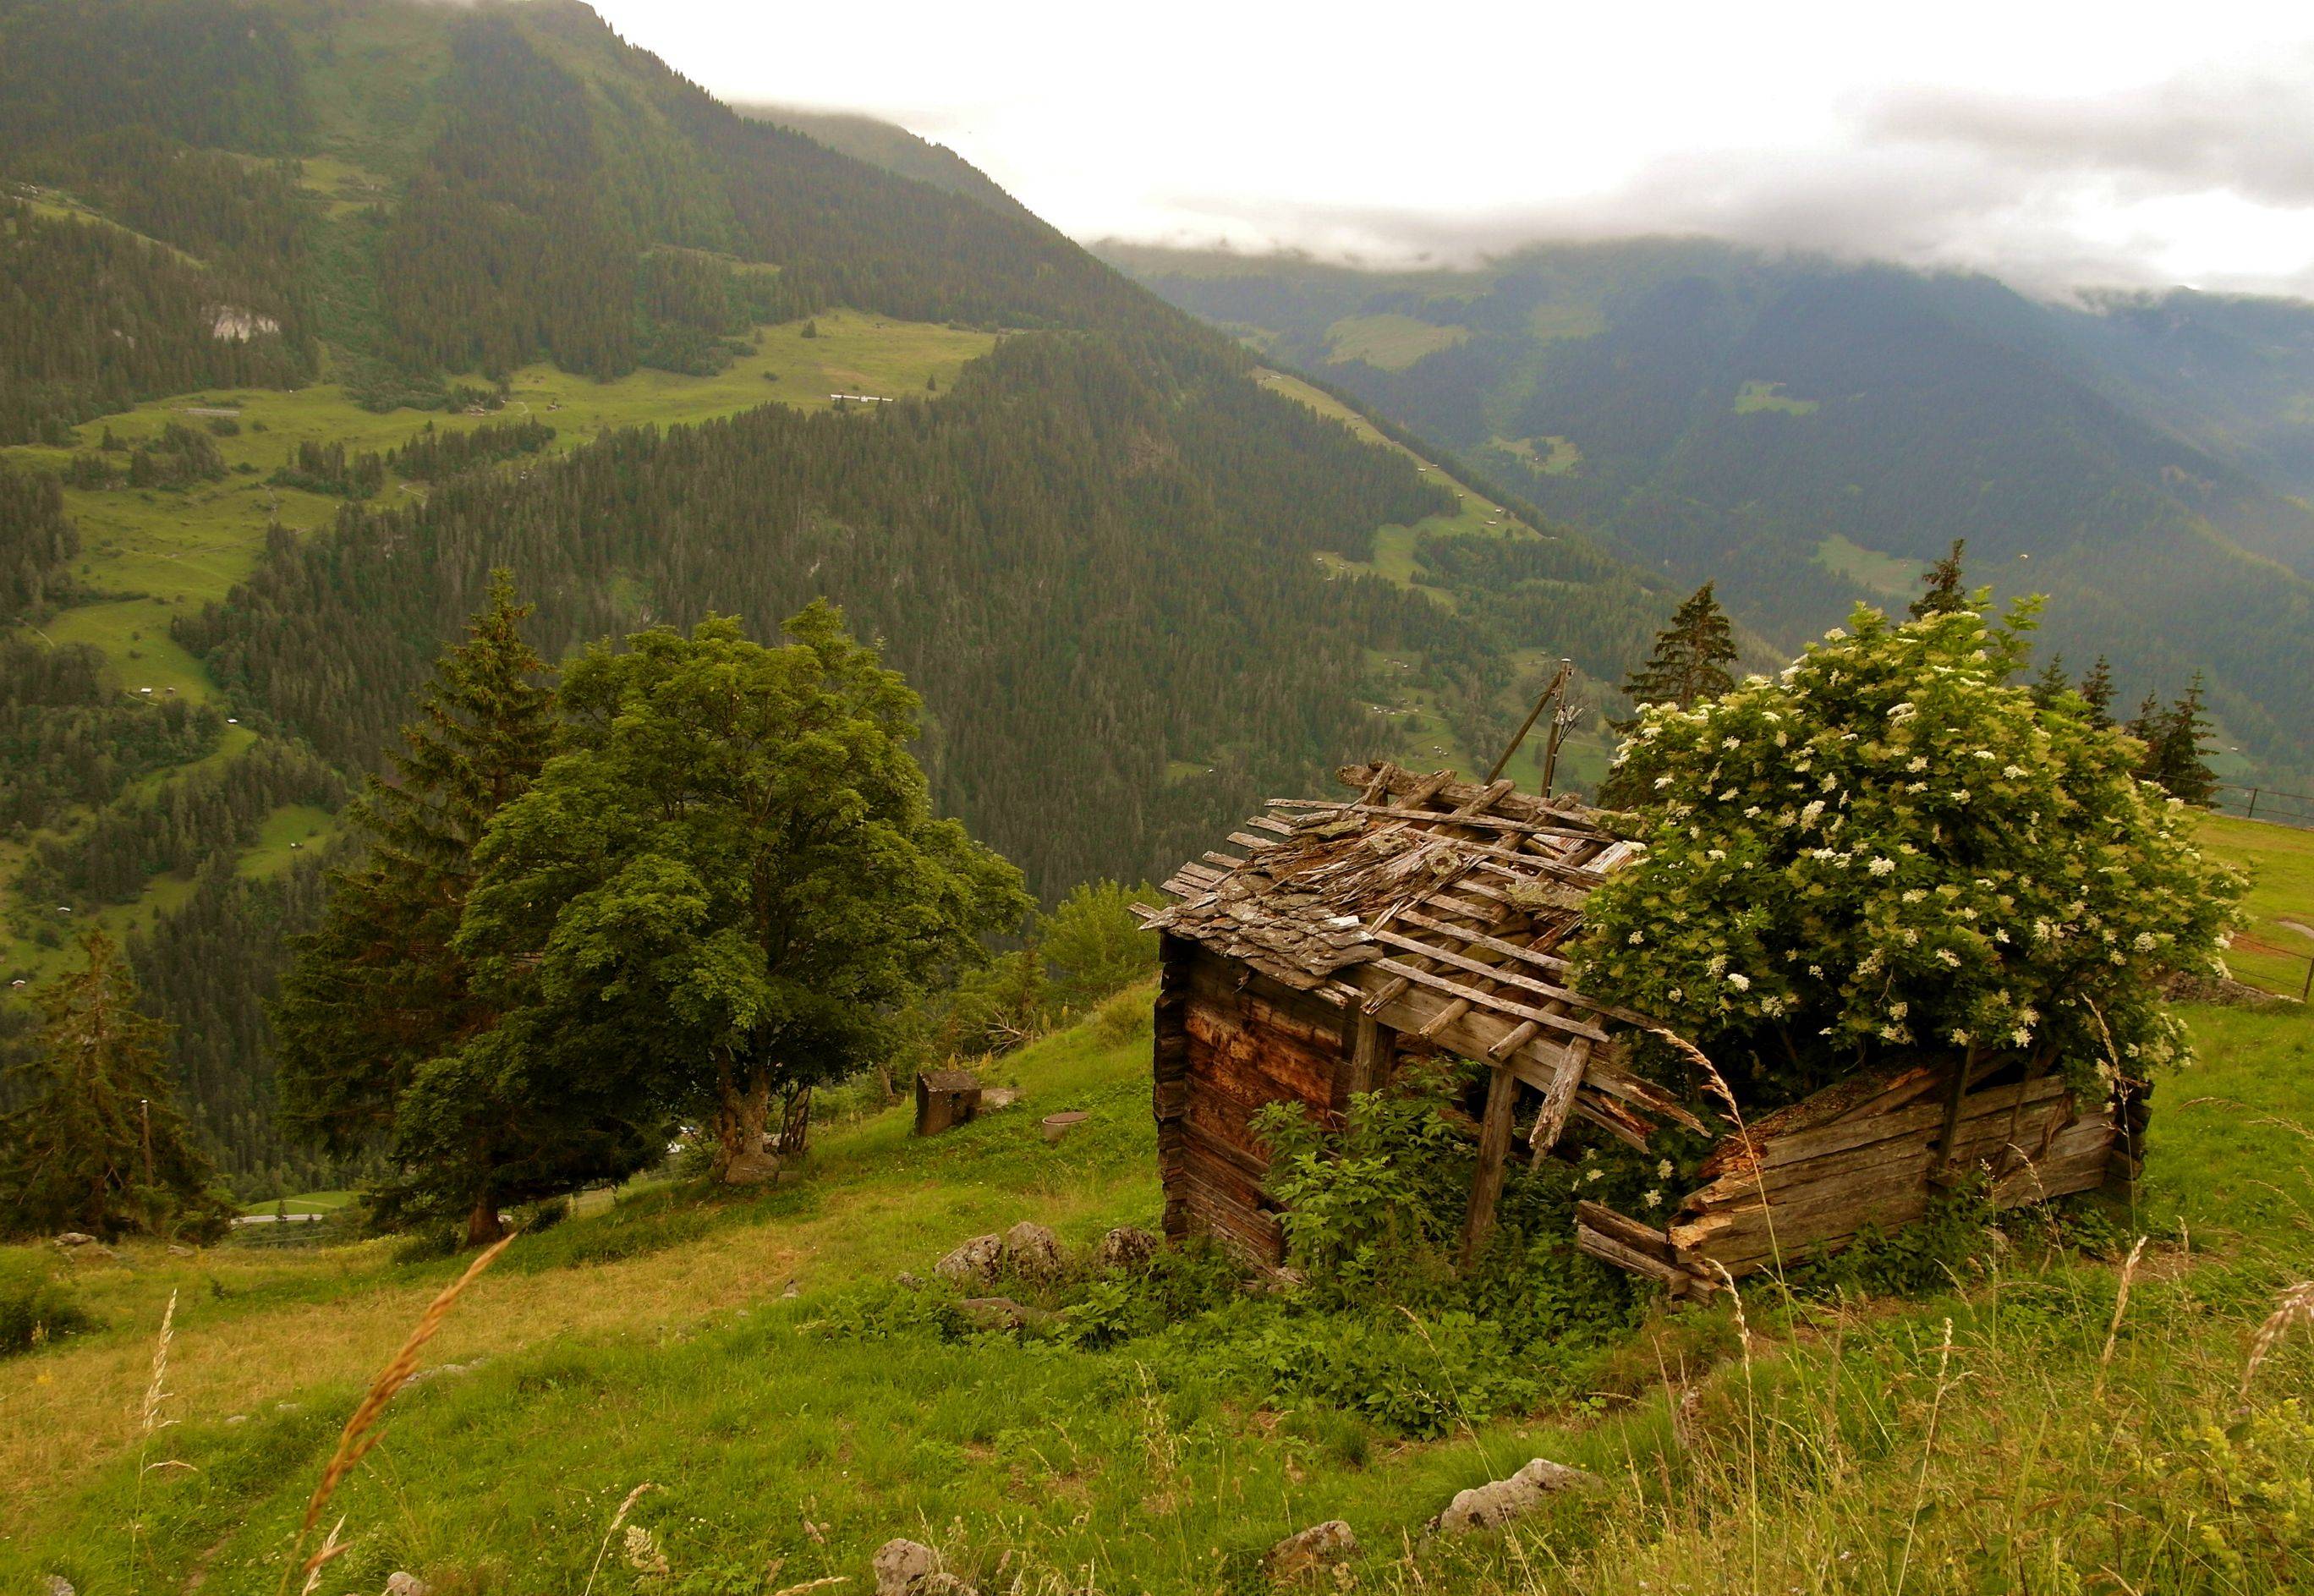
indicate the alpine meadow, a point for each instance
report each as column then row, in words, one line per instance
column 724, row 872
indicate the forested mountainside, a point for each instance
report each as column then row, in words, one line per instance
column 893, row 148
column 1809, row 433
column 313, row 311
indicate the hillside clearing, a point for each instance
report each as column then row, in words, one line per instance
column 154, row 555
column 1389, row 342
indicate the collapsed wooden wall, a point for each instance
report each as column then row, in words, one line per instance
column 1872, row 1154
column 1230, row 1041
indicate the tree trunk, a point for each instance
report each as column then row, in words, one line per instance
column 482, row 1226
column 743, row 1104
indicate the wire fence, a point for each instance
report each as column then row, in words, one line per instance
column 2263, row 803
column 2296, row 966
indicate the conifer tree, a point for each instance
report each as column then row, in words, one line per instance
column 1944, row 594
column 2052, row 684
column 1688, row 664
column 379, row 990
column 99, row 1145
column 2096, row 691
column 2175, row 757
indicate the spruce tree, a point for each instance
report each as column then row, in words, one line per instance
column 2052, row 684
column 1688, row 666
column 379, row 990
column 2096, row 691
column 99, row 1145
column 1944, row 592
column 2174, row 754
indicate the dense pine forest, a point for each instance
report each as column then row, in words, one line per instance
column 293, row 299
column 1810, row 432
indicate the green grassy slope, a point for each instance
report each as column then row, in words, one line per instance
column 2280, row 860
column 2023, row 1431
column 658, row 1342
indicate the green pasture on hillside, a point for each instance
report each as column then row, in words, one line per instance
column 152, row 555
column 714, row 1349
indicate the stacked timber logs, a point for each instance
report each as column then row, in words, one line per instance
column 1870, row 1153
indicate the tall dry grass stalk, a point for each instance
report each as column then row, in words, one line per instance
column 617, row 1519
column 156, row 1391
column 331, row 1549
column 2120, row 1307
column 2295, row 1305
column 362, row 1432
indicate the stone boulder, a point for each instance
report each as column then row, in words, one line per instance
column 398, row 1583
column 977, row 1263
column 1321, row 1546
column 1504, row 1501
column 1126, row 1249
column 911, row 1568
column 1033, row 1251
column 72, row 1238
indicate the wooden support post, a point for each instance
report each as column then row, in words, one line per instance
column 1942, row 1172
column 1368, row 1052
column 1493, row 1149
column 1558, row 1102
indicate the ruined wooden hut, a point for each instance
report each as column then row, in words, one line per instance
column 1420, row 914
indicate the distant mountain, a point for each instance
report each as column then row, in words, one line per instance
column 313, row 311
column 894, row 148
column 1811, row 433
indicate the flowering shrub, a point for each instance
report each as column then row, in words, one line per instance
column 1889, row 848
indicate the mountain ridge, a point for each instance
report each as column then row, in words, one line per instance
column 1783, row 424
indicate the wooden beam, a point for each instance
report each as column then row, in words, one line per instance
column 1367, row 1053
column 1493, row 1149
column 1557, row 1103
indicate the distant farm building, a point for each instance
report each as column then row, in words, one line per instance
column 1424, row 915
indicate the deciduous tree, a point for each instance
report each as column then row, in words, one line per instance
column 731, row 877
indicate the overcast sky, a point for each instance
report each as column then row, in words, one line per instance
column 2058, row 145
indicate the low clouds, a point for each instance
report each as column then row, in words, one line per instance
column 2061, row 145
column 2205, row 178
column 2245, row 128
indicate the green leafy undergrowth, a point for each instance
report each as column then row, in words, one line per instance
column 35, row 1308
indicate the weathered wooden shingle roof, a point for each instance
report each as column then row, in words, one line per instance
column 1439, row 908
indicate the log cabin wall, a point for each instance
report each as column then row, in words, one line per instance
column 1873, row 1154
column 1230, row 1041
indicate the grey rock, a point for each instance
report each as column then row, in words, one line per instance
column 398, row 1583
column 1033, row 1251
column 70, row 1239
column 975, row 1262
column 1127, row 1247
column 1500, row 1502
column 55, row 1585
column 1318, row 1547
column 992, row 1097
column 911, row 1568
column 1003, row 1313
column 908, row 1282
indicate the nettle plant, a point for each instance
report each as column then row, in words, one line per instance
column 1890, row 850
